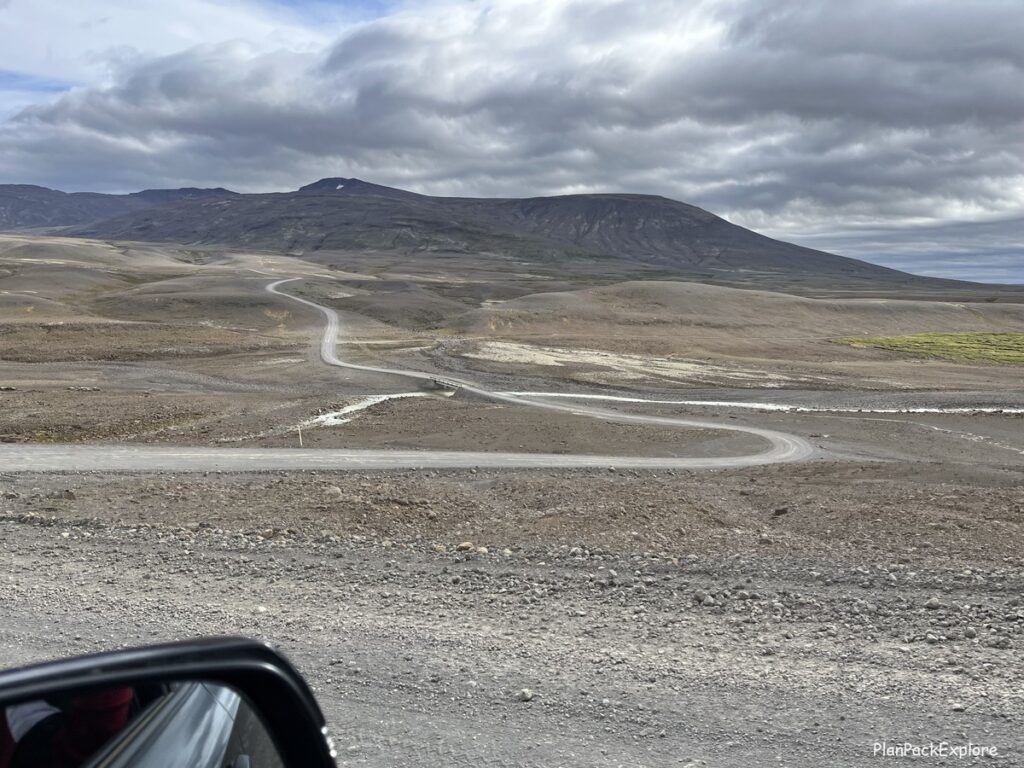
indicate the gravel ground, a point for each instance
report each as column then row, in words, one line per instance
column 706, row 619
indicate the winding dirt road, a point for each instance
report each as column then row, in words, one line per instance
column 782, row 447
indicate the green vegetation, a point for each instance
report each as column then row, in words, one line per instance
column 982, row 347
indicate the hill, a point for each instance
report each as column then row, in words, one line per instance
column 25, row 206
column 684, row 316
column 616, row 232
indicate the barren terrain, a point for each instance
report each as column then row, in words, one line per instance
column 789, row 614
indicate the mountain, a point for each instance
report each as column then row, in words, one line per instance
column 646, row 233
column 24, row 206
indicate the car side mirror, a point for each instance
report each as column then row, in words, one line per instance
column 217, row 703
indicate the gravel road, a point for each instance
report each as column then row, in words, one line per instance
column 728, row 631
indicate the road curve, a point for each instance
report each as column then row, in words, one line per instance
column 782, row 447
column 21, row 457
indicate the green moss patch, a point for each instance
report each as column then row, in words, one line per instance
column 981, row 347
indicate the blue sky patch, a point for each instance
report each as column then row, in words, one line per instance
column 353, row 9
column 20, row 81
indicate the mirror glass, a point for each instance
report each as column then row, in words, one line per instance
column 191, row 723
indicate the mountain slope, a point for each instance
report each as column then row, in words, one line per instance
column 665, row 232
column 24, row 206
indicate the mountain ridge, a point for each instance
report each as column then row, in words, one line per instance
column 30, row 206
column 338, row 214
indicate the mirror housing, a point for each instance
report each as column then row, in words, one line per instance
column 268, row 682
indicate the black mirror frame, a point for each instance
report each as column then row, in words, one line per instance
column 265, row 677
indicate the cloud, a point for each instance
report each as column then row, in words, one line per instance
column 806, row 120
column 89, row 43
column 986, row 252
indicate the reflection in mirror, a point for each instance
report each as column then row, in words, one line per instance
column 192, row 723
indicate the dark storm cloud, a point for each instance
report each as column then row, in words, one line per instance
column 811, row 120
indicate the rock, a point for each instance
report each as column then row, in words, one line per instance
column 482, row 550
column 525, row 694
column 958, row 707
column 333, row 492
column 464, row 546
column 764, row 539
column 970, row 633
column 780, row 511
column 708, row 600
column 68, row 494
column 933, row 604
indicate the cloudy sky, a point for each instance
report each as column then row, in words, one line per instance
column 889, row 130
